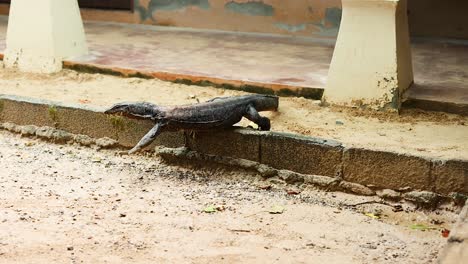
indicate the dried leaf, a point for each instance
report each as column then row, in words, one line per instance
column 96, row 159
column 445, row 232
column 210, row 209
column 240, row 230
column 371, row 215
column 277, row 209
column 421, row 227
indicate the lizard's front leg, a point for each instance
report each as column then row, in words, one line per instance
column 148, row 138
column 253, row 115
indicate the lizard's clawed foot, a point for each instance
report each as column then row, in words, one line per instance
column 264, row 124
column 133, row 150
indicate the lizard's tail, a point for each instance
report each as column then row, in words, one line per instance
column 266, row 103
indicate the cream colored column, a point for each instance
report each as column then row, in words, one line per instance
column 41, row 33
column 371, row 65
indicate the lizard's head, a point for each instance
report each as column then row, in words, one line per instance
column 140, row 110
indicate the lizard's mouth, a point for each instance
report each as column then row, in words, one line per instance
column 124, row 113
column 117, row 109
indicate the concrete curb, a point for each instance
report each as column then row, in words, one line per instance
column 422, row 199
column 283, row 151
column 78, row 119
column 180, row 155
column 431, row 105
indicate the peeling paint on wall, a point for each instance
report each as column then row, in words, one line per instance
column 333, row 16
column 291, row 28
column 146, row 11
column 177, row 4
column 297, row 17
column 142, row 11
column 253, row 8
column 330, row 24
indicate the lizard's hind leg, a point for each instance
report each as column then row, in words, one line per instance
column 253, row 115
column 147, row 139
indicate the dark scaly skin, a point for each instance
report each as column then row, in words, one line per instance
column 216, row 113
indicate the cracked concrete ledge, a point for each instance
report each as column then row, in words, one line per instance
column 422, row 199
column 374, row 170
column 199, row 80
column 438, row 106
column 456, row 250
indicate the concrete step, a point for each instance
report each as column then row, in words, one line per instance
column 282, row 151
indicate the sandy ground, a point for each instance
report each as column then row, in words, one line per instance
column 69, row 204
column 428, row 134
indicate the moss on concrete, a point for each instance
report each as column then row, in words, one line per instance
column 117, row 122
column 93, row 69
column 53, row 113
column 256, row 89
column 311, row 93
column 140, row 75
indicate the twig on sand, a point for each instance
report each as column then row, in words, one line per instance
column 373, row 202
column 240, row 230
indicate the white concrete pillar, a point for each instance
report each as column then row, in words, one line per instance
column 371, row 65
column 41, row 33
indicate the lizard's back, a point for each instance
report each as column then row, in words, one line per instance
column 218, row 112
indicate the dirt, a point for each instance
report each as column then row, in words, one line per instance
column 72, row 204
column 430, row 134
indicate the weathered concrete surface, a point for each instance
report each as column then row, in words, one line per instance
column 302, row 154
column 255, row 63
column 456, row 251
column 80, row 120
column 440, row 84
column 450, row 176
column 386, row 169
column 356, row 188
column 382, row 67
column 236, row 143
column 436, row 104
column 435, row 18
column 425, row 199
column 42, row 33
